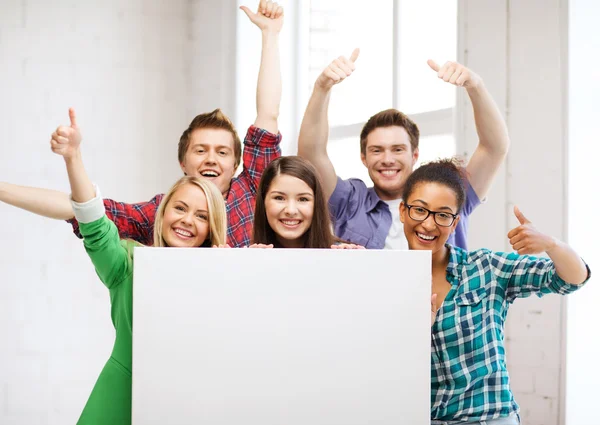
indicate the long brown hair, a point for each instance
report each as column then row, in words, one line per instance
column 319, row 233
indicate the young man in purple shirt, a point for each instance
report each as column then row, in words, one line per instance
column 389, row 144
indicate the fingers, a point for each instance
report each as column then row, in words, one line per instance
column 354, row 55
column 269, row 9
column 248, row 12
column 72, row 117
column 262, row 6
column 433, row 65
column 522, row 219
column 278, row 13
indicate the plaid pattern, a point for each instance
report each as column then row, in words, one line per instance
column 136, row 221
column 469, row 380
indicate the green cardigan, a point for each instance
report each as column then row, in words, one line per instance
column 110, row 400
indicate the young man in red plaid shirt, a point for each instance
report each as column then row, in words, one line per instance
column 210, row 147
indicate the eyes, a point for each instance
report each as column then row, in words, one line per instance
column 283, row 198
column 397, row 149
column 199, row 215
column 220, row 152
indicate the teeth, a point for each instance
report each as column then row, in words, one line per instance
column 183, row 233
column 389, row 172
column 290, row 222
column 427, row 238
column 209, row 174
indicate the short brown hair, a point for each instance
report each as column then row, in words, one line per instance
column 389, row 118
column 215, row 119
column 319, row 233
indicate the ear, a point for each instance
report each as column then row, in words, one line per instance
column 455, row 223
column 415, row 156
column 402, row 211
column 182, row 165
column 363, row 158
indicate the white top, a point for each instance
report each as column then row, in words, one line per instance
column 395, row 238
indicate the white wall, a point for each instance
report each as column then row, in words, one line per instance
column 583, row 343
column 136, row 72
column 520, row 48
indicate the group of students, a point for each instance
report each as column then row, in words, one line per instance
column 300, row 202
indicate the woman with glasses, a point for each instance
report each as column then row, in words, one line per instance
column 471, row 295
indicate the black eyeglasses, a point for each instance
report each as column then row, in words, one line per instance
column 444, row 219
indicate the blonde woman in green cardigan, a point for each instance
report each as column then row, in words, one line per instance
column 192, row 214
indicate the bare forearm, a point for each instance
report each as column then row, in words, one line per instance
column 569, row 266
column 82, row 189
column 44, row 202
column 314, row 130
column 491, row 128
column 268, row 90
column 312, row 140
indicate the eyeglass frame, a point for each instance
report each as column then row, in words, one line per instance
column 429, row 212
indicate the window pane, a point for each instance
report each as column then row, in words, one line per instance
column 336, row 28
column 428, row 30
column 436, row 147
column 345, row 156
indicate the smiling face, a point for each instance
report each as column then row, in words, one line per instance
column 289, row 206
column 390, row 159
column 185, row 223
column 428, row 234
column 210, row 155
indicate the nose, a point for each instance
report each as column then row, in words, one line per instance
column 388, row 158
column 211, row 157
column 290, row 208
column 429, row 223
column 187, row 218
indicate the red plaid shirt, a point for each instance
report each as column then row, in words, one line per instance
column 136, row 221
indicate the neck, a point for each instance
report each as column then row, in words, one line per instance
column 440, row 258
column 388, row 196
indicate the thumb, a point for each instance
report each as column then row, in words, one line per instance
column 433, row 65
column 354, row 55
column 72, row 117
column 248, row 12
column 522, row 219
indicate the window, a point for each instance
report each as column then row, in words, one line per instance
column 396, row 37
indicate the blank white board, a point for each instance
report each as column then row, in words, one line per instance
column 281, row 337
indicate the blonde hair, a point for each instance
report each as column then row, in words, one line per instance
column 217, row 215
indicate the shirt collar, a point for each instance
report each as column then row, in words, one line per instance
column 372, row 200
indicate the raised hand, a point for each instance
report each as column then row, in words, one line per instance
column 65, row 141
column 337, row 71
column 268, row 17
column 526, row 239
column 457, row 74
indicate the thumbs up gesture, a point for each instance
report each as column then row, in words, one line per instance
column 457, row 74
column 526, row 239
column 337, row 71
column 65, row 140
column 268, row 17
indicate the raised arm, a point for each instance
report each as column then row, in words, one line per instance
column 526, row 239
column 101, row 239
column 44, row 202
column 65, row 142
column 314, row 131
column 491, row 129
column 269, row 18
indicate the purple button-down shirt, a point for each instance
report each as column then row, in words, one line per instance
column 361, row 217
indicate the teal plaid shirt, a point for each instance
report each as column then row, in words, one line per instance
column 469, row 380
